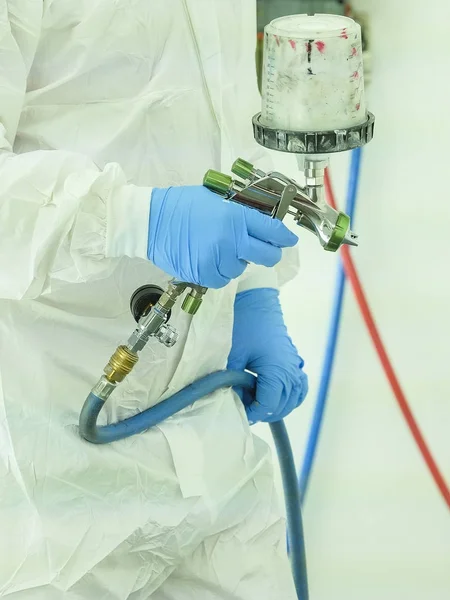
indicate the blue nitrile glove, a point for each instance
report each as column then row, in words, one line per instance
column 261, row 344
column 198, row 237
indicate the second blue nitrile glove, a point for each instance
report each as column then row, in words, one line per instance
column 198, row 237
column 261, row 344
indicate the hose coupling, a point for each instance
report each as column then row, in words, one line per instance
column 120, row 364
column 103, row 388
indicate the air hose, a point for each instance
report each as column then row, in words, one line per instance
column 139, row 423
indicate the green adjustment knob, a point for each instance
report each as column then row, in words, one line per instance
column 218, row 182
column 243, row 169
column 191, row 304
column 339, row 231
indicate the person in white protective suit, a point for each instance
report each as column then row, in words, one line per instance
column 101, row 102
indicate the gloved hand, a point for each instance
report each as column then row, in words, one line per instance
column 261, row 345
column 198, row 237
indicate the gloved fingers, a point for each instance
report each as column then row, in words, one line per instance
column 260, row 414
column 260, row 253
column 304, row 388
column 276, row 399
column 297, row 395
column 230, row 269
column 292, row 403
column 270, row 394
column 269, row 230
column 272, row 390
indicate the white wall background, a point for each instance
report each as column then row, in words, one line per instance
column 376, row 526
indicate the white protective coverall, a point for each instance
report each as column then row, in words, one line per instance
column 99, row 101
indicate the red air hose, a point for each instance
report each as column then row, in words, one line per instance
column 352, row 275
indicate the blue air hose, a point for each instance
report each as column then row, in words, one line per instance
column 96, row 434
column 327, row 368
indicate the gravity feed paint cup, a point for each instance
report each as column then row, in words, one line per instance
column 313, row 76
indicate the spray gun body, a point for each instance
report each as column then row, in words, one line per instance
column 277, row 195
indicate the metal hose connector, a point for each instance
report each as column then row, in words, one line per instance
column 120, row 364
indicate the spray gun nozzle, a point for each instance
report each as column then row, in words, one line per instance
column 350, row 239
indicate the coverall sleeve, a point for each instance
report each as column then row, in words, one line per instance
column 58, row 210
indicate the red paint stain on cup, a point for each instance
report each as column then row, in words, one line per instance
column 320, row 47
column 344, row 34
column 293, row 44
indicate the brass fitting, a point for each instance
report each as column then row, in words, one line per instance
column 120, row 364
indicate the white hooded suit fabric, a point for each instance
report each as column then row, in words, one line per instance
column 101, row 100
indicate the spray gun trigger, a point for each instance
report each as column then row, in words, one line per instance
column 287, row 195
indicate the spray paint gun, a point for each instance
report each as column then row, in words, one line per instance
column 313, row 105
column 277, row 195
